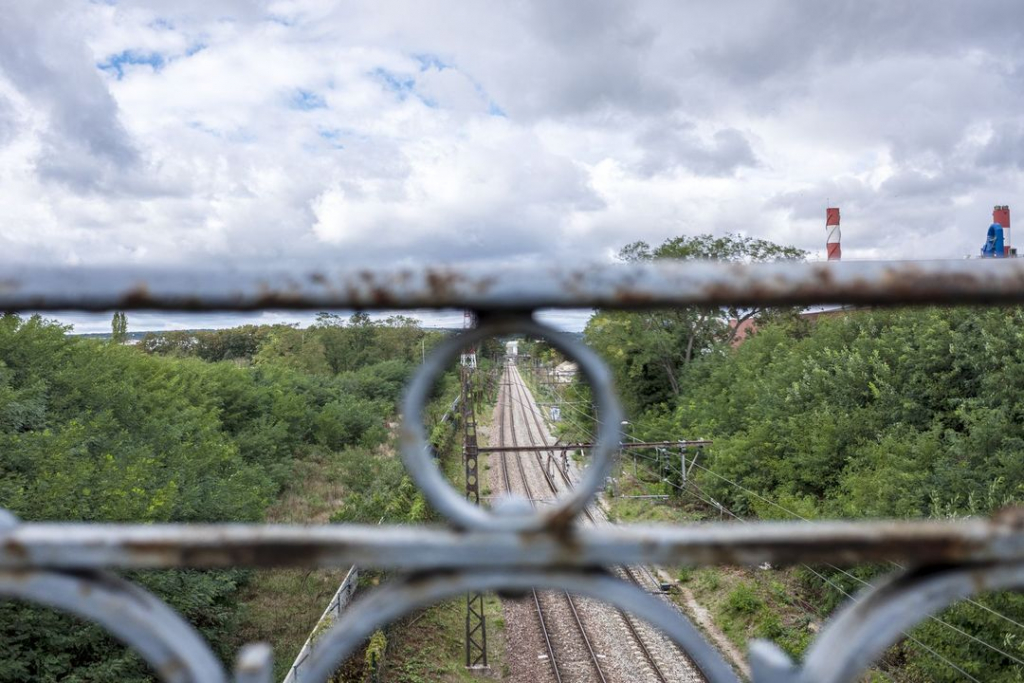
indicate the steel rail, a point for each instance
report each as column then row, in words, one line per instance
column 508, row 491
column 406, row 593
column 547, row 636
column 514, row 288
column 438, row 491
column 526, row 407
column 526, row 486
column 569, row 482
column 528, row 413
column 515, row 548
column 658, row 673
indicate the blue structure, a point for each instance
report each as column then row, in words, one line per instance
column 994, row 242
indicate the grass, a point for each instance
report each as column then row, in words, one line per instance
column 671, row 509
column 431, row 645
column 744, row 603
column 281, row 606
column 746, row 606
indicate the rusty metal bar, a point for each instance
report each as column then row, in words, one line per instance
column 518, row 515
column 87, row 546
column 629, row 446
column 511, row 546
column 661, row 284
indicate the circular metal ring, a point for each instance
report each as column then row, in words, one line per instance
column 393, row 600
column 861, row 631
column 439, row 492
column 172, row 647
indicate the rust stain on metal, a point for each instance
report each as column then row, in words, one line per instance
column 630, row 296
column 21, row 575
column 382, row 296
column 137, row 296
column 210, row 553
column 575, row 284
column 483, row 285
column 441, row 283
column 275, row 299
column 379, row 294
column 171, row 669
column 1011, row 518
column 15, row 549
column 561, row 529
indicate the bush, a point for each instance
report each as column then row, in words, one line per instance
column 349, row 421
column 768, row 625
column 101, row 432
column 743, row 600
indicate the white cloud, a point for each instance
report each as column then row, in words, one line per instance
column 355, row 133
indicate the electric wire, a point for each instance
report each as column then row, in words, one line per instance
column 722, row 508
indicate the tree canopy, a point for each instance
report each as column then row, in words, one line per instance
column 649, row 350
column 184, row 427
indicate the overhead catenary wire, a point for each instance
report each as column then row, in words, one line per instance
column 709, row 500
column 831, row 583
column 805, row 519
column 934, row 618
column 969, row 601
column 595, row 660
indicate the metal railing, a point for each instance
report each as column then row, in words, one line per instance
column 339, row 602
column 514, row 548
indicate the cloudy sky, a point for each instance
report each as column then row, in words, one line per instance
column 372, row 133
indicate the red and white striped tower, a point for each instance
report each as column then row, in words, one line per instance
column 835, row 252
column 1001, row 215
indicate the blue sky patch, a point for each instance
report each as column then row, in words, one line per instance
column 281, row 19
column 307, row 99
column 402, row 86
column 428, row 61
column 332, row 136
column 116, row 63
column 396, row 83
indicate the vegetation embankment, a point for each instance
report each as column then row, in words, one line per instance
column 854, row 414
column 195, row 427
column 431, row 642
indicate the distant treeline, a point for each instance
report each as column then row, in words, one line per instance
column 196, row 426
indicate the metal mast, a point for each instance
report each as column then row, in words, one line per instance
column 476, row 624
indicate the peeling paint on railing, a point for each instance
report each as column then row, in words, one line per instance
column 512, row 547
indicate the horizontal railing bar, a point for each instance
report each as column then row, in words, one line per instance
column 988, row 281
column 628, row 446
column 89, row 546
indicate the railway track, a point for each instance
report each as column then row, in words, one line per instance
column 536, row 435
column 539, row 602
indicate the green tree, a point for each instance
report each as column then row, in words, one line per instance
column 119, row 328
column 166, row 432
column 649, row 350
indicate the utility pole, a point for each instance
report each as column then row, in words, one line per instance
column 476, row 623
column 682, row 464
